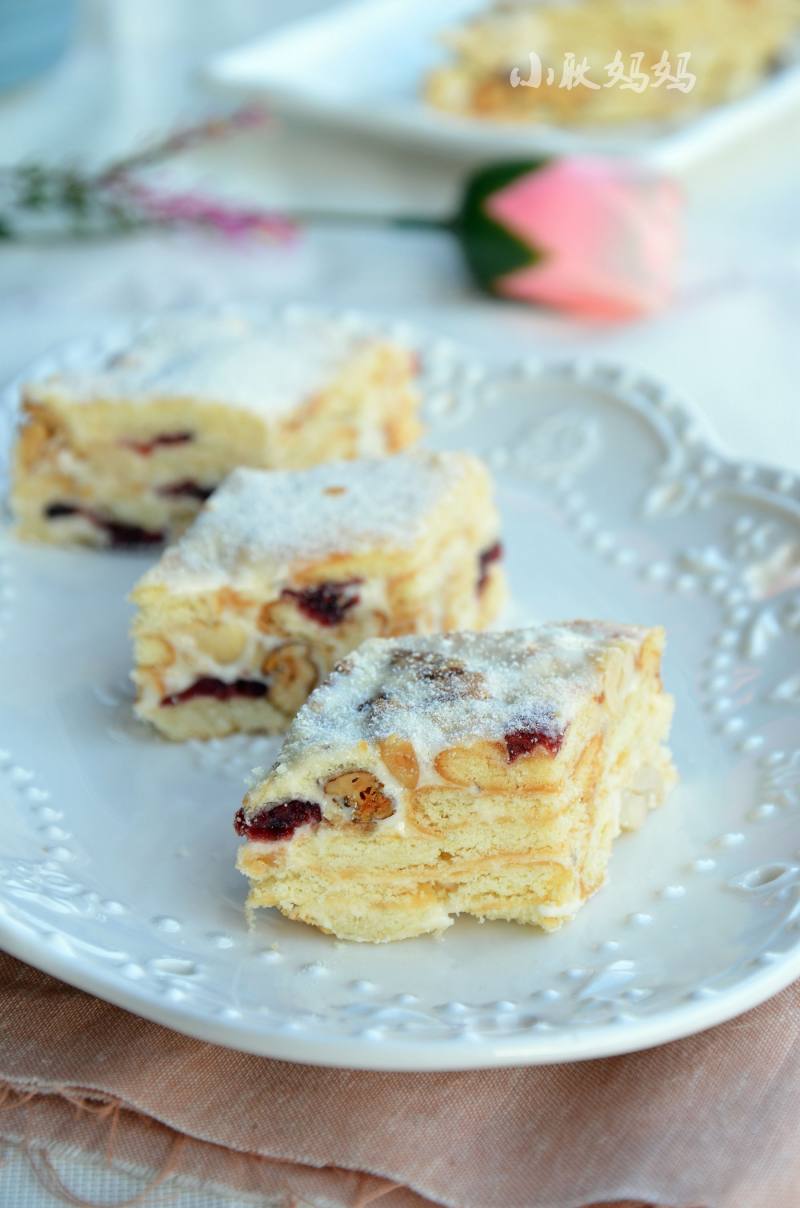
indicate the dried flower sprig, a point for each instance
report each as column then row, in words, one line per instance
column 42, row 202
column 596, row 238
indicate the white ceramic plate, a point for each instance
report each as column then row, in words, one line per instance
column 116, row 848
column 360, row 66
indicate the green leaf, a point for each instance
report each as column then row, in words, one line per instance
column 120, row 219
column 75, row 194
column 32, row 181
column 490, row 250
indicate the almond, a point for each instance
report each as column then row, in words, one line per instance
column 35, row 436
column 617, row 678
column 154, row 651
column 279, row 617
column 400, row 758
column 291, row 674
column 362, row 793
column 223, row 642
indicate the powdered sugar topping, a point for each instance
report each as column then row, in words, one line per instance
column 268, row 367
column 265, row 520
column 445, row 689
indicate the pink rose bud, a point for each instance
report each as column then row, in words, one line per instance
column 599, row 238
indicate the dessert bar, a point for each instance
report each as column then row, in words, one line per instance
column 126, row 454
column 284, row 572
column 485, row 774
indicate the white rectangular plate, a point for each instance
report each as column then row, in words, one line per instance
column 117, row 848
column 361, row 65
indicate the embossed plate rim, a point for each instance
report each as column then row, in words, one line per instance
column 567, row 1045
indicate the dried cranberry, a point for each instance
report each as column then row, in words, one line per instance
column 186, row 487
column 522, row 742
column 327, row 603
column 119, row 535
column 146, row 447
column 485, row 559
column 54, row 511
column 219, row 689
column 124, row 535
column 277, row 821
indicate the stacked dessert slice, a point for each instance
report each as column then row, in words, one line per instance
column 286, row 571
column 485, row 774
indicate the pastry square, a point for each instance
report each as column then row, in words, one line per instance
column 484, row 774
column 731, row 44
column 126, row 455
column 284, row 572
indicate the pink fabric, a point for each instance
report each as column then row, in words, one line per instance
column 711, row 1120
column 609, row 233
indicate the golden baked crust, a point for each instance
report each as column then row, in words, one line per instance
column 285, row 572
column 485, row 774
column 732, row 44
column 127, row 454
